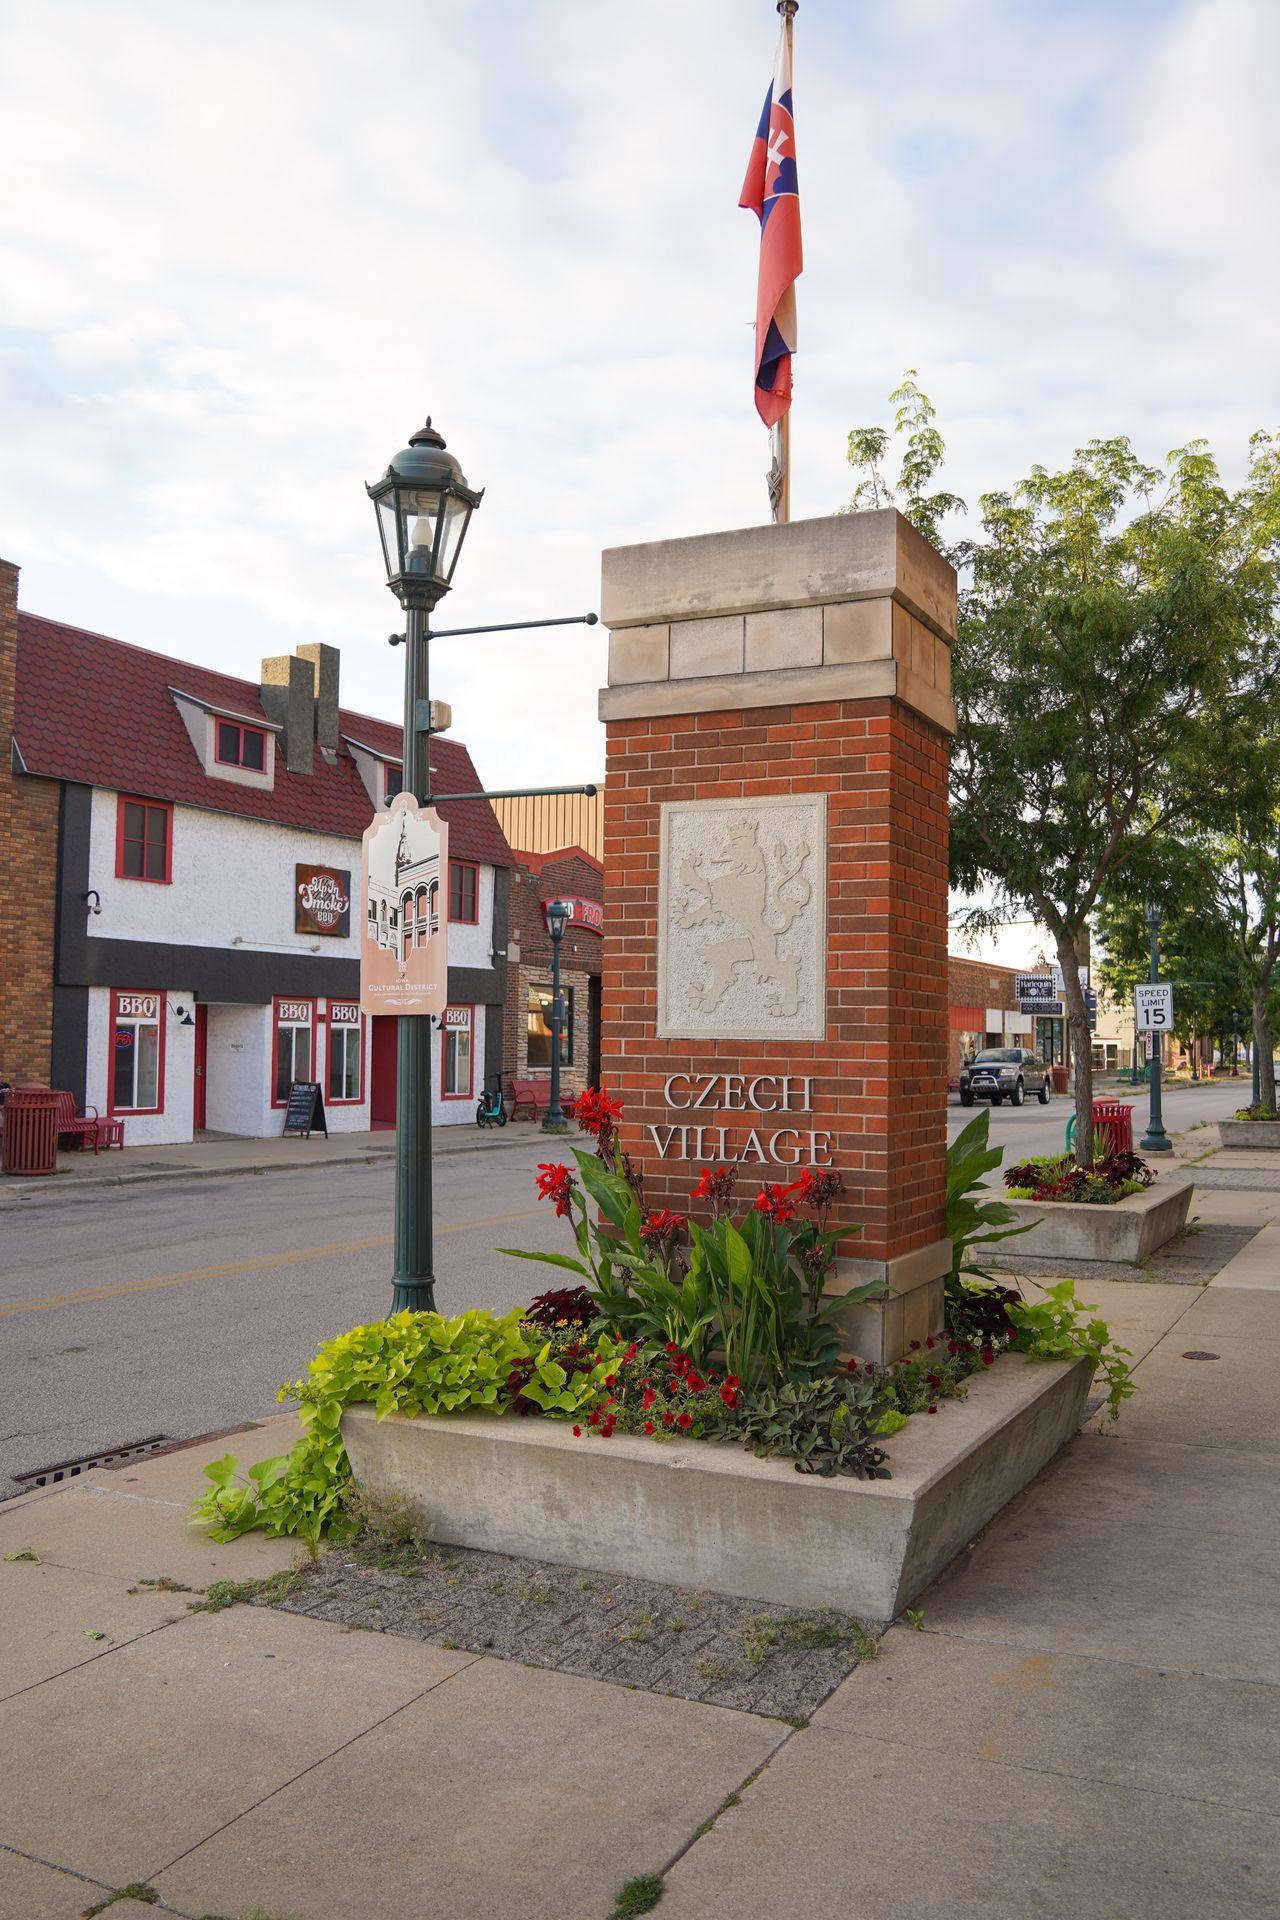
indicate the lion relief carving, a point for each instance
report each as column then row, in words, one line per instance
column 731, row 895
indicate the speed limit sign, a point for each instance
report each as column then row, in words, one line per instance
column 1153, row 1007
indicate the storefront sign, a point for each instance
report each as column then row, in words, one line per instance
column 582, row 913
column 344, row 1013
column 1031, row 988
column 322, row 901
column 404, row 965
column 457, row 1019
column 137, row 1006
column 711, row 1141
column 304, row 1109
column 294, row 1012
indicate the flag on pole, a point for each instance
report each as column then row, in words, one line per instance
column 772, row 191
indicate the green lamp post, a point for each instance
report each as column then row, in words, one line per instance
column 424, row 506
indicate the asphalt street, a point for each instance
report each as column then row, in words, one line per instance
column 179, row 1307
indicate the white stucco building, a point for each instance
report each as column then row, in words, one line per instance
column 208, row 891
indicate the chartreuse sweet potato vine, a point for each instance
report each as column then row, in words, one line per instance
column 412, row 1363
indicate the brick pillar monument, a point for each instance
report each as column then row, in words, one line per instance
column 775, row 974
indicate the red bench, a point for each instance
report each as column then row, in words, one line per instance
column 535, row 1097
column 82, row 1125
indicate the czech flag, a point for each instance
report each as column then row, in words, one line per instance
column 772, row 191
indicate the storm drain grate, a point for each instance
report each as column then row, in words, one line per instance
column 109, row 1457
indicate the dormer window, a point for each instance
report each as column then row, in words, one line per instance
column 239, row 746
column 391, row 777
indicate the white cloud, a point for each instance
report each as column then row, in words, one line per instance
column 243, row 249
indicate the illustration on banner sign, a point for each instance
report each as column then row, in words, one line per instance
column 322, row 901
column 403, row 957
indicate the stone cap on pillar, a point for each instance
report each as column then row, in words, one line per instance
column 855, row 606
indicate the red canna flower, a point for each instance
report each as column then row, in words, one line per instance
column 556, row 1183
column 716, row 1185
column 775, row 1203
column 660, row 1229
column 597, row 1114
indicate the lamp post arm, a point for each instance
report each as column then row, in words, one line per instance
column 513, row 793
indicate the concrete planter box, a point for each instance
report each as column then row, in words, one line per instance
column 1250, row 1133
column 1128, row 1230
column 714, row 1516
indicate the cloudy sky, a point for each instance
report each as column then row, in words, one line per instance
column 245, row 247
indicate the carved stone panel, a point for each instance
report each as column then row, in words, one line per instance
column 742, row 919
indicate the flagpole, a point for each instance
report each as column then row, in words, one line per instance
column 780, row 492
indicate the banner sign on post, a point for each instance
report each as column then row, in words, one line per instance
column 1153, row 1006
column 404, row 966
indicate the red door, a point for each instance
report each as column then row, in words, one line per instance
column 198, row 1101
column 382, row 1068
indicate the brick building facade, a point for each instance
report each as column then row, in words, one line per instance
column 568, row 873
column 984, row 1010
column 28, row 863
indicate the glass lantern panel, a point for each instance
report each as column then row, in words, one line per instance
column 456, row 514
column 422, row 510
column 387, row 531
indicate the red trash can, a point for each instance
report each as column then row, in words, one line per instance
column 1113, row 1120
column 1061, row 1079
column 31, row 1130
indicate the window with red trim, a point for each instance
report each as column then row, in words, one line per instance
column 390, row 784
column 292, row 1052
column 464, row 892
column 346, row 1054
column 239, row 746
column 457, row 1053
column 144, row 840
column 135, row 1071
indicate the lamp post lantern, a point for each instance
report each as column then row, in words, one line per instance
column 557, row 919
column 1155, row 1139
column 423, row 505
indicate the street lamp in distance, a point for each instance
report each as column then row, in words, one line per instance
column 557, row 920
column 424, row 507
column 1155, row 1139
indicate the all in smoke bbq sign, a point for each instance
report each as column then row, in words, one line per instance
column 322, row 901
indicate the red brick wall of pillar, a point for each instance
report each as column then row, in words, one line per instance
column 879, row 1075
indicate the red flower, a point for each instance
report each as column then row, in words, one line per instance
column 649, row 1397
column 732, row 1380
column 953, row 1346
column 774, row 1203
column 931, row 1409
column 593, row 1419
column 930, row 1341
column 661, row 1227
column 817, row 1189
column 853, row 1364
column 556, row 1183
column 685, row 1420
column 987, row 1356
column 597, row 1114
column 932, row 1380
column 670, row 1347
column 668, row 1418
column 649, row 1427
column 696, row 1383
column 915, row 1346
column 577, row 1433
column 728, row 1395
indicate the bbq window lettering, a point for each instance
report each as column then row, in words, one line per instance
column 754, row 1095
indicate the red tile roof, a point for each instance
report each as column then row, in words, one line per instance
column 99, row 712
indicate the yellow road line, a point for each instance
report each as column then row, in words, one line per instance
column 156, row 1282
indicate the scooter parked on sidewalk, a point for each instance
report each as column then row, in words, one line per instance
column 491, row 1108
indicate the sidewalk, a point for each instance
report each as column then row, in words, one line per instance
column 1084, row 1724
column 213, row 1155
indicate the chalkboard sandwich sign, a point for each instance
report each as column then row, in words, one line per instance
column 304, row 1112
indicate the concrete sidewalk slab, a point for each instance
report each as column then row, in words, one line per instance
column 47, row 1615
column 179, row 1474
column 29, row 1890
column 511, row 1793
column 1101, row 1720
column 842, row 1825
column 1225, row 1400
column 132, row 1760
column 132, row 1535
column 1131, row 1550
column 1257, row 1266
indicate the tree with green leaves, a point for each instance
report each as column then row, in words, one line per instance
column 1116, row 624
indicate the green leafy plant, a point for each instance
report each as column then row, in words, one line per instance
column 640, row 1895
column 1055, row 1328
column 974, row 1217
column 748, row 1290
column 411, row 1363
column 826, row 1426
